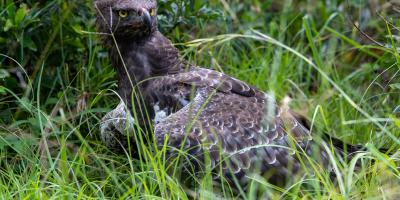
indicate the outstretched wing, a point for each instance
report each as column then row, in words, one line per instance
column 230, row 119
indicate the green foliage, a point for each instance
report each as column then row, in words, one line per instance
column 173, row 14
column 56, row 83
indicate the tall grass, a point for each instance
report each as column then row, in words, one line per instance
column 346, row 84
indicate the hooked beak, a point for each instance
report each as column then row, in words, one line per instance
column 146, row 18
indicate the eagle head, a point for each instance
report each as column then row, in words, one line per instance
column 127, row 18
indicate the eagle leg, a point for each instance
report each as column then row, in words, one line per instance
column 116, row 126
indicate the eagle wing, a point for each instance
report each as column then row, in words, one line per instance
column 230, row 119
column 201, row 77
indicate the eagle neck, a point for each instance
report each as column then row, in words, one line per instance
column 146, row 57
column 137, row 61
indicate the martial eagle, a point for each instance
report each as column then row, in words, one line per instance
column 196, row 108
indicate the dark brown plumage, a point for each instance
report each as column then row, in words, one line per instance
column 201, row 109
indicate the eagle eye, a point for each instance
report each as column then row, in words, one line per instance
column 123, row 13
column 152, row 12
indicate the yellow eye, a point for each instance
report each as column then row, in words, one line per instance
column 123, row 13
column 152, row 12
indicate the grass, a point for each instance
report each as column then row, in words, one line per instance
column 346, row 84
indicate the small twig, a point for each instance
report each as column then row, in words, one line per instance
column 349, row 18
column 94, row 33
column 366, row 35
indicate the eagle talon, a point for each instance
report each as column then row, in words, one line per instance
column 116, row 125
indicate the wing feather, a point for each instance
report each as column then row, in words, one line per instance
column 200, row 77
column 229, row 119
